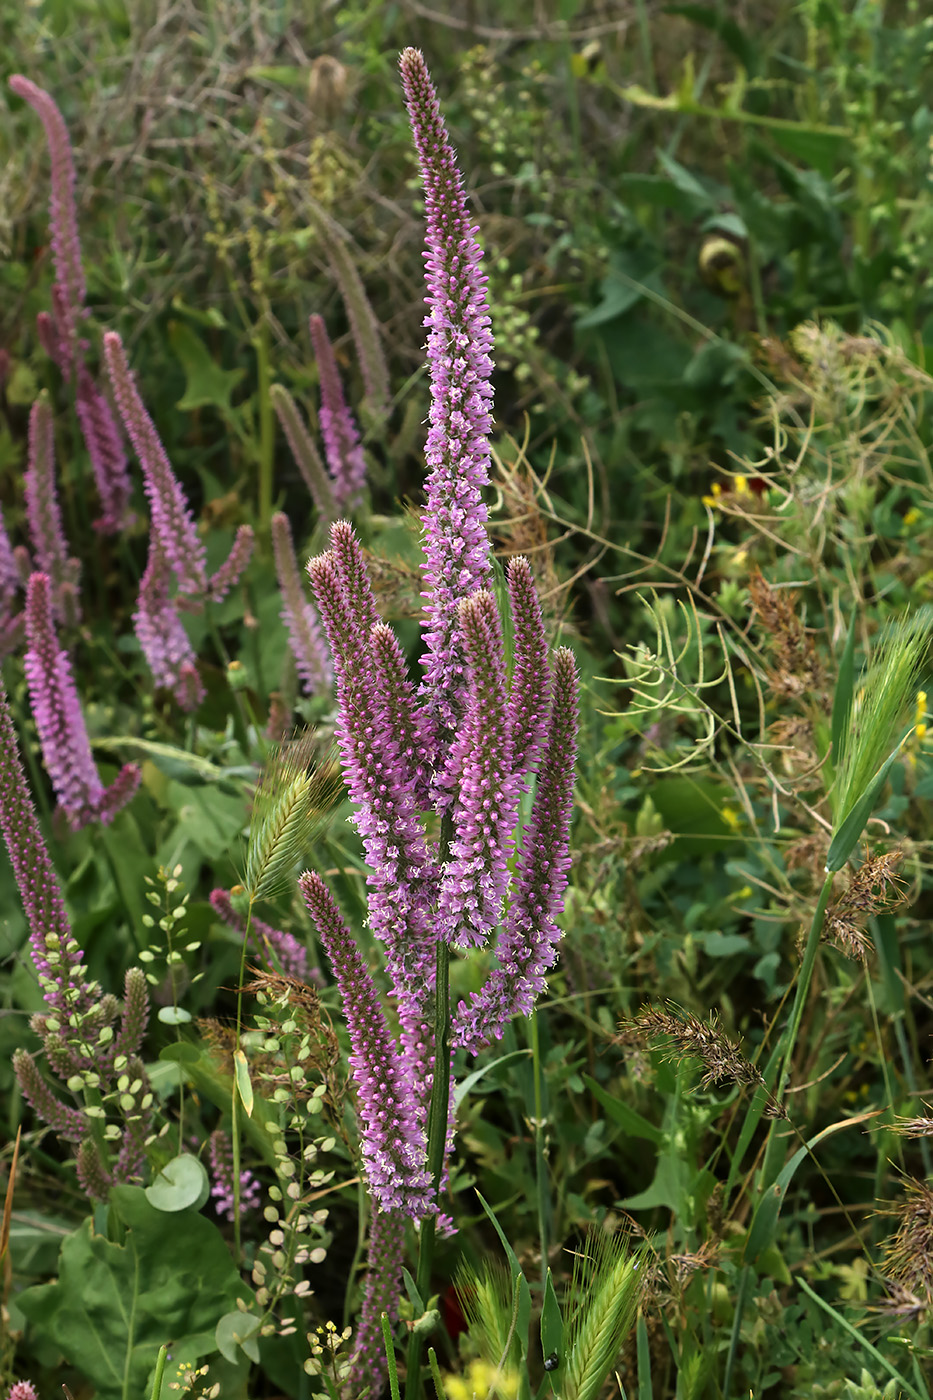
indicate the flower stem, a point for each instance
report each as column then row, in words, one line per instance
column 437, row 1126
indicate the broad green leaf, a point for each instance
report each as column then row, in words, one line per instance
column 174, row 1015
column 207, row 384
column 238, row 1330
column 114, row 1305
column 182, row 1184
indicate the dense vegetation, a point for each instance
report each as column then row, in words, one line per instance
column 700, row 1168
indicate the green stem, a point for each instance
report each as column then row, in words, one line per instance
column 437, row 1128
column 541, row 1178
column 234, row 1126
column 805, row 976
column 266, row 426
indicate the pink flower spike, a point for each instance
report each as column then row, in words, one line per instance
column 300, row 618
column 457, row 449
column 172, row 522
column 66, row 750
column 161, row 634
column 487, row 796
column 63, row 219
column 104, row 448
column 392, row 1138
column 44, row 515
column 527, row 947
column 530, row 691
column 230, row 571
column 342, row 448
column 23, row 1390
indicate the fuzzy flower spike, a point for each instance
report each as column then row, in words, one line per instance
column 457, row 449
column 66, row 750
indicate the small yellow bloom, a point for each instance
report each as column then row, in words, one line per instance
column 741, row 485
column 475, row 1383
column 911, row 517
column 731, row 817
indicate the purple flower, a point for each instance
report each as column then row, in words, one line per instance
column 381, row 1294
column 530, row 692
column 172, row 522
column 10, row 581
column 228, row 575
column 161, row 634
column 487, row 797
column 403, row 876
column 457, row 449
column 63, row 220
column 527, row 947
column 104, row 448
column 66, row 750
column 299, row 616
column 392, row 1139
column 58, row 959
column 288, row 953
column 341, row 436
column 220, row 1152
column 45, row 517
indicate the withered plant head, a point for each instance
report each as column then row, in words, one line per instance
column 914, row 1127
column 874, row 888
column 797, row 670
column 908, row 1253
column 690, row 1038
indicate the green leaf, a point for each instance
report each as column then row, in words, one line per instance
column 238, row 1330
column 182, row 1184
column 243, row 1085
column 552, row 1323
column 114, row 1305
column 847, row 837
column 471, row 1080
column 628, row 1118
column 519, row 1282
column 765, row 1218
column 174, row 1015
column 208, row 384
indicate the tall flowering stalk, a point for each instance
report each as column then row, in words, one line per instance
column 66, row 750
column 90, row 1042
column 161, row 634
column 63, row 220
column 301, row 620
column 342, row 447
column 58, row 330
column 44, row 516
column 465, row 746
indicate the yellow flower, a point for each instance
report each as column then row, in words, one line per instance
column 740, row 484
column 475, row 1383
column 911, row 517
